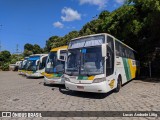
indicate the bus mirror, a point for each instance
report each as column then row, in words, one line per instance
column 41, row 59
column 104, row 50
column 37, row 62
column 61, row 55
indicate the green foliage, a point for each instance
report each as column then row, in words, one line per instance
column 5, row 56
column 5, row 67
column 136, row 23
column 103, row 15
column 27, row 53
column 50, row 42
column 30, row 49
column 56, row 41
column 70, row 36
column 37, row 49
column 15, row 58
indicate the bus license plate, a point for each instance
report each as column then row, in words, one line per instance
column 80, row 87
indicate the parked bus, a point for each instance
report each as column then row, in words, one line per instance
column 55, row 66
column 21, row 68
column 36, row 65
column 99, row 63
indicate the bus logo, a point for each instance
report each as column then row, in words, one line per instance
column 6, row 114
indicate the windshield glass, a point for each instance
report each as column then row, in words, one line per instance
column 24, row 63
column 73, row 61
column 85, row 61
column 20, row 65
column 31, row 65
column 53, row 65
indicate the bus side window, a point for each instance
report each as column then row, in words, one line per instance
column 123, row 51
column 110, row 56
column 117, row 48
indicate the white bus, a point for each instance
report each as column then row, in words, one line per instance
column 36, row 65
column 99, row 63
column 21, row 67
column 55, row 66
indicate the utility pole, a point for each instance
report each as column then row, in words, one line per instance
column 0, row 46
column 0, row 41
column 17, row 49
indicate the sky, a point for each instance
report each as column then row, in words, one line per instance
column 34, row 21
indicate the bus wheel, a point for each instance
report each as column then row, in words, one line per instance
column 119, row 84
column 44, row 84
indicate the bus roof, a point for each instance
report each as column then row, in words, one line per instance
column 56, row 49
column 103, row 34
column 38, row 55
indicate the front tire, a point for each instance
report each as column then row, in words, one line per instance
column 119, row 84
column 44, row 84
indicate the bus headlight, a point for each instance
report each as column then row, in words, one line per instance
column 66, row 79
column 98, row 80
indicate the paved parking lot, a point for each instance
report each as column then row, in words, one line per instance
column 20, row 94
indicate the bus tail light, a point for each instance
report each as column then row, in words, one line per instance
column 98, row 80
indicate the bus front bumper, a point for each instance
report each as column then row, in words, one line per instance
column 101, row 87
column 53, row 81
column 34, row 75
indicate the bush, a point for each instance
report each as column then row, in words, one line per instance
column 5, row 67
column 13, row 61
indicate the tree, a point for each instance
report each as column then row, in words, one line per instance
column 4, row 60
column 103, row 14
column 69, row 36
column 37, row 49
column 27, row 53
column 136, row 23
column 28, row 47
column 5, row 56
column 15, row 58
column 56, row 41
column 49, row 43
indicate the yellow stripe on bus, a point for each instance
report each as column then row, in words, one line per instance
column 91, row 78
column 133, row 68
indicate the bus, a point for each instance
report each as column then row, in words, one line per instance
column 99, row 63
column 36, row 65
column 55, row 66
column 21, row 67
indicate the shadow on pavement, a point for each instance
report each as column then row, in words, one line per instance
column 34, row 77
column 152, row 80
column 55, row 86
column 85, row 94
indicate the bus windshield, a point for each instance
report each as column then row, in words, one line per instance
column 53, row 65
column 85, row 61
column 20, row 65
column 31, row 65
column 24, row 63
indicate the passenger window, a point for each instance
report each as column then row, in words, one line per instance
column 110, row 56
column 117, row 48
